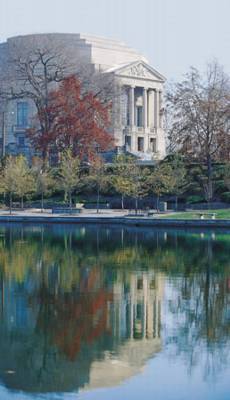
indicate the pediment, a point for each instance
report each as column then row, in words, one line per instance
column 140, row 70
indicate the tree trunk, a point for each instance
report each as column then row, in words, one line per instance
column 176, row 202
column 209, row 176
column 42, row 202
column 158, row 203
column 10, row 203
column 122, row 202
column 136, row 205
column 45, row 159
column 98, row 198
column 22, row 204
column 70, row 200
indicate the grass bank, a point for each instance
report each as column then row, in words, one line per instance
column 220, row 214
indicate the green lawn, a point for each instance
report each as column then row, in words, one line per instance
column 220, row 214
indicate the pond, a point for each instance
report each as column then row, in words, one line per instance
column 105, row 313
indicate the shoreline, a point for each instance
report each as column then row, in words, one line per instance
column 112, row 218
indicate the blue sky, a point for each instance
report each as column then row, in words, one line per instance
column 172, row 34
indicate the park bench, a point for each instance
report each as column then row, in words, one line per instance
column 141, row 213
column 134, row 213
column 150, row 213
column 207, row 215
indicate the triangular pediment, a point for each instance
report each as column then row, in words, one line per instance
column 139, row 69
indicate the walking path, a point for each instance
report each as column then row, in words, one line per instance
column 120, row 217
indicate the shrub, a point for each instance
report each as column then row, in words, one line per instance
column 195, row 199
column 225, row 197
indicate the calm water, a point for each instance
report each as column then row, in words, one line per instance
column 107, row 313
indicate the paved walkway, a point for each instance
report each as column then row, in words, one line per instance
column 119, row 217
column 33, row 212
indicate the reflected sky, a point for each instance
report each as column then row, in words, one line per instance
column 95, row 312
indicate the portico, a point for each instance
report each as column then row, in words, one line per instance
column 141, row 130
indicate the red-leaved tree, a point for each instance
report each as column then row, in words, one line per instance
column 77, row 121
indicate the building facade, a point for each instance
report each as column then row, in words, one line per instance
column 138, row 113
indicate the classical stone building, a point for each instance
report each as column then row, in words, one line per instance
column 137, row 124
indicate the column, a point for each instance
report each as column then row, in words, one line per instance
column 149, row 328
column 156, row 109
column 145, row 108
column 151, row 108
column 160, row 108
column 131, row 106
column 159, row 318
column 145, row 302
column 154, row 317
column 131, row 318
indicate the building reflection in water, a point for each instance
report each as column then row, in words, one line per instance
column 55, row 336
column 81, row 307
column 135, row 322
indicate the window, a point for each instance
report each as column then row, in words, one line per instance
column 139, row 116
column 139, row 311
column 153, row 145
column 21, row 141
column 22, row 114
column 152, row 284
column 140, row 284
column 140, row 144
column 128, row 142
column 127, row 118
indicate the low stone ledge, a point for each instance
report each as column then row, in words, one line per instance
column 222, row 223
column 131, row 221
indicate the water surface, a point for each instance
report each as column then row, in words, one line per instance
column 93, row 313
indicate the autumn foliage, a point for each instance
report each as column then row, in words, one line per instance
column 76, row 120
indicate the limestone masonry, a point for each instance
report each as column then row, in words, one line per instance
column 138, row 126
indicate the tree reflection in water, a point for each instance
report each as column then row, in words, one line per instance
column 73, row 299
column 201, row 309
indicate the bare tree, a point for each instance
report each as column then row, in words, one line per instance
column 37, row 70
column 32, row 74
column 200, row 118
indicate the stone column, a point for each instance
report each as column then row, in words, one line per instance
column 131, row 106
column 145, row 303
column 149, row 328
column 131, row 318
column 154, row 317
column 156, row 109
column 151, row 108
column 160, row 107
column 145, row 108
column 159, row 318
